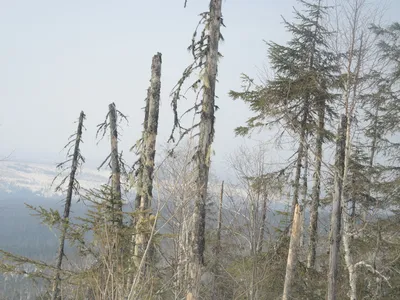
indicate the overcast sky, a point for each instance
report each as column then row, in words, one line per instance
column 60, row 57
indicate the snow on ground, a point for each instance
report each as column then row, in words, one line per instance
column 38, row 178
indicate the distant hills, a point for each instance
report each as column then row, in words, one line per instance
column 37, row 178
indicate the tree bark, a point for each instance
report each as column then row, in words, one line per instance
column 139, row 175
column 300, row 155
column 260, row 240
column 67, row 208
column 316, row 189
column 144, row 223
column 347, row 232
column 215, row 294
column 116, row 202
column 336, row 212
column 292, row 255
column 305, row 197
column 203, row 155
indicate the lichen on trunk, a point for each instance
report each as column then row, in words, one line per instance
column 145, row 220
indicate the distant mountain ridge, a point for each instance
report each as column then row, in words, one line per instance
column 38, row 177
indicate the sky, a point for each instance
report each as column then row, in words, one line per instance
column 60, row 57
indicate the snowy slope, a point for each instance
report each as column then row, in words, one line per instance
column 37, row 178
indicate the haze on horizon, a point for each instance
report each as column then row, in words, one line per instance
column 59, row 58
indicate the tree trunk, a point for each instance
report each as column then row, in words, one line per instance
column 336, row 212
column 316, row 189
column 292, row 255
column 372, row 159
column 303, row 130
column 116, row 202
column 139, row 174
column 203, row 155
column 215, row 293
column 347, row 232
column 138, row 177
column 67, row 208
column 145, row 223
column 260, row 240
column 300, row 156
column 305, row 197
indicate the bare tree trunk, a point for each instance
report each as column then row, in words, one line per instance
column 347, row 232
column 316, row 189
column 260, row 241
column 203, row 155
column 67, row 208
column 371, row 159
column 215, row 294
column 144, row 223
column 116, row 209
column 300, row 156
column 292, row 255
column 139, row 174
column 305, row 197
column 183, row 241
column 221, row 198
column 336, row 211
column 254, row 210
column 138, row 177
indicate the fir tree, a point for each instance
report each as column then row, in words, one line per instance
column 298, row 98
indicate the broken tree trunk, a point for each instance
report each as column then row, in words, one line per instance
column 336, row 216
column 292, row 255
column 145, row 222
column 116, row 201
column 67, row 208
column 203, row 155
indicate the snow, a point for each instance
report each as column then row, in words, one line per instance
column 38, row 178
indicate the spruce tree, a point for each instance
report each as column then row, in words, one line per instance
column 298, row 98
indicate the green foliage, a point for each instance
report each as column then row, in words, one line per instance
column 305, row 70
column 50, row 217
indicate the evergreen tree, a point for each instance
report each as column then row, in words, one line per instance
column 298, row 98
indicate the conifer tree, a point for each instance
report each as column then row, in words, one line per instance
column 76, row 160
column 298, row 98
column 114, row 160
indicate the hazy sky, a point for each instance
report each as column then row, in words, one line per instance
column 60, row 57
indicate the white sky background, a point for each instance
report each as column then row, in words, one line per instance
column 60, row 57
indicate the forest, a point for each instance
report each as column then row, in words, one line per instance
column 323, row 222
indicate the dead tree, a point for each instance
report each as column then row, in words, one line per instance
column 114, row 160
column 115, row 167
column 203, row 156
column 205, row 53
column 140, row 148
column 336, row 216
column 144, row 223
column 73, row 186
column 218, row 246
column 292, row 255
